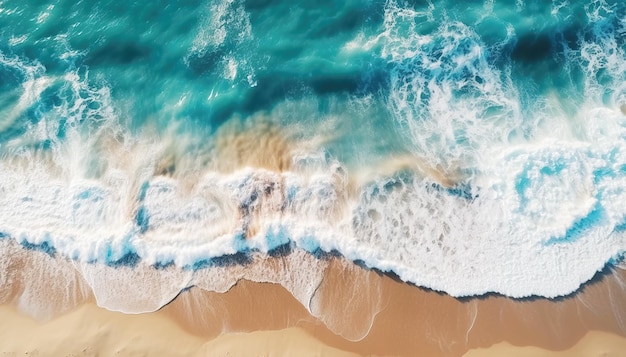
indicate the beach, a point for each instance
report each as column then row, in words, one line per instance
column 89, row 330
column 354, row 177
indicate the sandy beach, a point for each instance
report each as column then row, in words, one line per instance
column 295, row 178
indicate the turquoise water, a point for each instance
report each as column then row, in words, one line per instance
column 468, row 147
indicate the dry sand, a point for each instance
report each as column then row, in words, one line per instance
column 594, row 343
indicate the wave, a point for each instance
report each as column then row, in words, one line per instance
column 460, row 172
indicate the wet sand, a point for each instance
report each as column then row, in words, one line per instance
column 89, row 330
column 408, row 320
column 353, row 311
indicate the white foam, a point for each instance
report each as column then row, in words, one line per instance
column 443, row 87
column 493, row 242
column 33, row 84
column 538, row 216
column 44, row 15
column 225, row 20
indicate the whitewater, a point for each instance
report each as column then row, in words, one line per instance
column 466, row 148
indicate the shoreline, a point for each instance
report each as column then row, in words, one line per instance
column 352, row 310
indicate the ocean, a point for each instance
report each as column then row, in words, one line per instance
column 468, row 147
